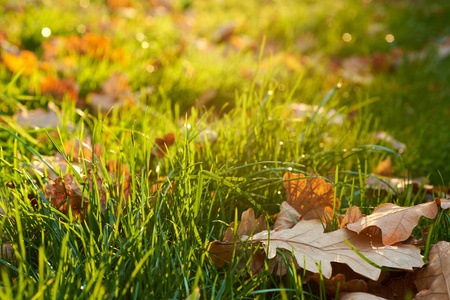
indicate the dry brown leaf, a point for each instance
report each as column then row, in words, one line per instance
column 58, row 163
column 221, row 252
column 339, row 283
column 313, row 198
column 312, row 246
column 359, row 296
column 65, row 191
column 443, row 203
column 287, row 218
column 384, row 168
column 395, row 222
column 352, row 215
column 160, row 147
column 433, row 282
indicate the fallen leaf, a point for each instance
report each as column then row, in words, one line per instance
column 443, row 203
column 65, row 192
column 384, row 168
column 352, row 215
column 60, row 87
column 311, row 246
column 221, row 252
column 433, row 282
column 116, row 92
column 82, row 150
column 161, row 143
column 396, row 223
column 287, row 218
column 359, row 296
column 25, row 60
column 38, row 118
column 338, row 283
column 313, row 198
column 224, row 32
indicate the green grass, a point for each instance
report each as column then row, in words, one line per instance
column 159, row 250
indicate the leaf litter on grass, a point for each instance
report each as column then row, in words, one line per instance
column 317, row 251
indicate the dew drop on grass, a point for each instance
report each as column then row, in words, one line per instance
column 145, row 45
column 290, row 168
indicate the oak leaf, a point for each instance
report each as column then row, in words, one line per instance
column 433, row 282
column 443, row 203
column 221, row 252
column 396, row 223
column 65, row 192
column 287, row 218
column 311, row 246
column 352, row 215
column 338, row 283
column 313, row 198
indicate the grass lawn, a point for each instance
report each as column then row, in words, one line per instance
column 168, row 119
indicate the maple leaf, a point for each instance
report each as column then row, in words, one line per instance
column 396, row 223
column 433, row 282
column 313, row 198
column 311, row 246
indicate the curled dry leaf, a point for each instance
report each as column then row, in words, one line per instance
column 221, row 252
column 433, row 282
column 313, row 198
column 396, row 223
column 352, row 215
column 311, row 246
column 443, row 203
column 287, row 218
column 359, row 296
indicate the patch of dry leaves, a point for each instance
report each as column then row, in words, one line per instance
column 383, row 237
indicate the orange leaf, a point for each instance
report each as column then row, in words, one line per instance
column 433, row 282
column 25, row 60
column 395, row 222
column 60, row 87
column 313, row 198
